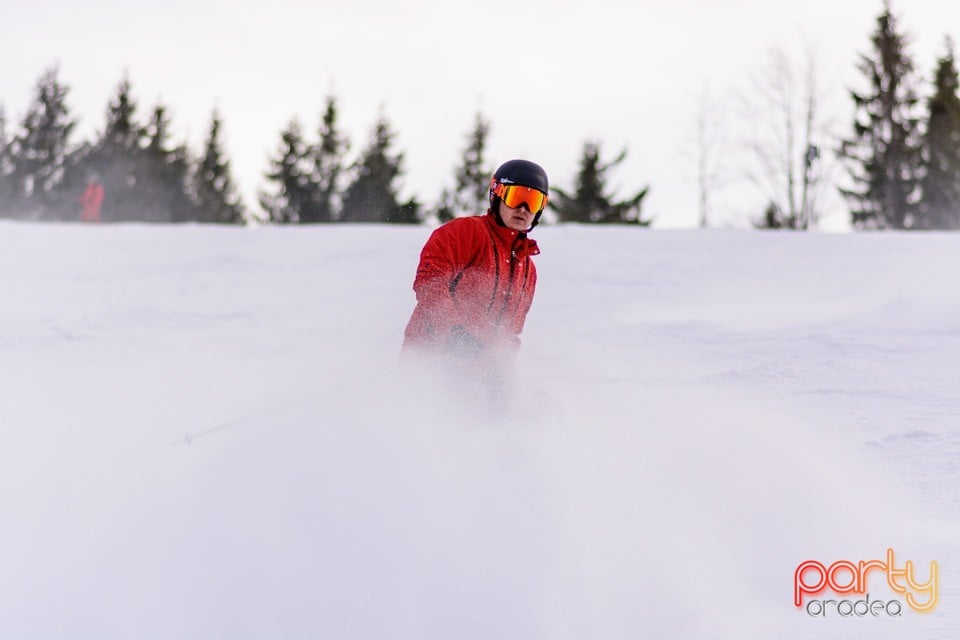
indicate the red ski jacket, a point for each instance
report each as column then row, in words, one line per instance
column 475, row 282
column 92, row 200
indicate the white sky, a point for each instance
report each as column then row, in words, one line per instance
column 624, row 73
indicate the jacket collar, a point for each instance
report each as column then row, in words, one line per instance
column 516, row 240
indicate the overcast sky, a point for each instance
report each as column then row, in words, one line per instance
column 548, row 75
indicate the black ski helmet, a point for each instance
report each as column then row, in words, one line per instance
column 524, row 173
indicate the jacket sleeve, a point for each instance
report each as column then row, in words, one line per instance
column 443, row 259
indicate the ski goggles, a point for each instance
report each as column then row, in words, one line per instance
column 514, row 195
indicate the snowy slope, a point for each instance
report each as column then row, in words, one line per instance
column 206, row 433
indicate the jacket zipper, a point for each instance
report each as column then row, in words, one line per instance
column 510, row 283
column 496, row 281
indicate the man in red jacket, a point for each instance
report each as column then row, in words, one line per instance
column 91, row 201
column 476, row 278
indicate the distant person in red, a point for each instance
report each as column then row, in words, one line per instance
column 476, row 278
column 91, row 200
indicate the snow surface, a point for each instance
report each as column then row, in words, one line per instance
column 206, row 433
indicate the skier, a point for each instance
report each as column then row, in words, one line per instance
column 476, row 279
column 91, row 200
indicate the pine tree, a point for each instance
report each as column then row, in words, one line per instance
column 37, row 153
column 75, row 175
column 116, row 161
column 6, row 168
column 164, row 171
column 591, row 202
column 327, row 171
column 184, row 208
column 213, row 187
column 122, row 133
column 407, row 213
column 883, row 154
column 941, row 150
column 291, row 174
column 372, row 195
column 470, row 193
column 774, row 218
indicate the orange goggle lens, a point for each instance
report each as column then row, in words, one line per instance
column 514, row 195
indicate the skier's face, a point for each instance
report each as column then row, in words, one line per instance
column 518, row 219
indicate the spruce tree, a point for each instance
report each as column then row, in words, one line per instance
column 38, row 151
column 327, row 170
column 184, row 207
column 471, row 180
column 372, row 195
column 69, row 190
column 590, row 201
column 774, row 218
column 115, row 160
column 212, row 182
column 122, row 132
column 407, row 213
column 883, row 155
column 941, row 149
column 6, row 168
column 291, row 173
column 164, row 170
